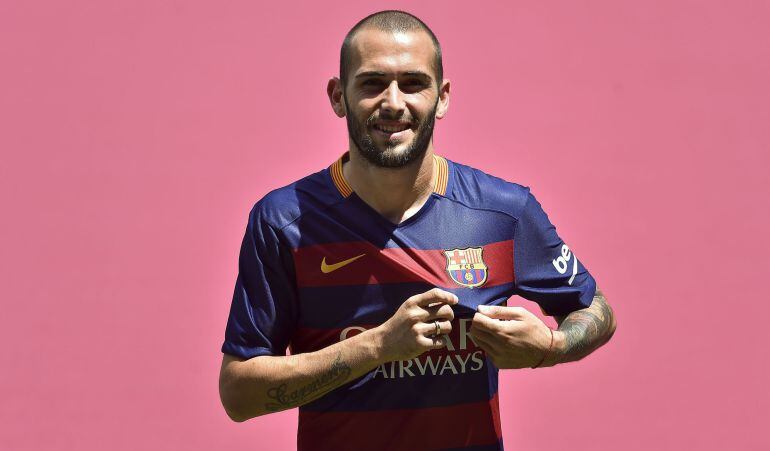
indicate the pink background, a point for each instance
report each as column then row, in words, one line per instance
column 136, row 135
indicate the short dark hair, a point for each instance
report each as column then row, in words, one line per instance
column 392, row 21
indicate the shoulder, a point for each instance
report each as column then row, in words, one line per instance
column 478, row 189
column 282, row 206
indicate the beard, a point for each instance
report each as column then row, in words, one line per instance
column 389, row 157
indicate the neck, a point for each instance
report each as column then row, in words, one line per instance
column 395, row 193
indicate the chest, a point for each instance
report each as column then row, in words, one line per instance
column 355, row 271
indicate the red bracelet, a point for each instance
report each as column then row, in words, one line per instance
column 546, row 352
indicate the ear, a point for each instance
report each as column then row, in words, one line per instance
column 443, row 99
column 334, row 91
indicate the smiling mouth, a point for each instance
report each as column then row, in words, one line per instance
column 390, row 129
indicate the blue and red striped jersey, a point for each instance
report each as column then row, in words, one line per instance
column 318, row 265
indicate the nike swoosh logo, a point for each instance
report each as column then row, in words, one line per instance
column 326, row 269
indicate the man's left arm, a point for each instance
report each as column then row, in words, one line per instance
column 513, row 337
column 547, row 272
column 582, row 331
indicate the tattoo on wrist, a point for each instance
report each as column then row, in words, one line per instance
column 285, row 399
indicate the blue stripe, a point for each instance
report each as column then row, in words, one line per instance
column 495, row 447
column 449, row 225
column 373, row 392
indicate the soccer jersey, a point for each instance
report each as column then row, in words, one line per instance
column 319, row 265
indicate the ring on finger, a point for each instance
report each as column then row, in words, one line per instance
column 438, row 328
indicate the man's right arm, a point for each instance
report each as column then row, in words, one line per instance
column 265, row 384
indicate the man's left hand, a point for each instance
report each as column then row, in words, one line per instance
column 512, row 337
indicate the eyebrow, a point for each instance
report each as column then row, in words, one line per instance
column 374, row 73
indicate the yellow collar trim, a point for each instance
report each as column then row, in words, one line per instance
column 439, row 183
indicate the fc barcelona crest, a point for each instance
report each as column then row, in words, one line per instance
column 466, row 266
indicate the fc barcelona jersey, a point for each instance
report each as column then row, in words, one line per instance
column 318, row 265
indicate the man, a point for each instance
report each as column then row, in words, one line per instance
column 387, row 274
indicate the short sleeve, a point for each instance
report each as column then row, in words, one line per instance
column 546, row 270
column 263, row 310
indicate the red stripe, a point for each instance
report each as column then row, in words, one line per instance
column 470, row 424
column 393, row 265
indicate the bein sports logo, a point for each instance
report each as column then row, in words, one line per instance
column 562, row 262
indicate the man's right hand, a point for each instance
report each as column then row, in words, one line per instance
column 411, row 330
column 264, row 384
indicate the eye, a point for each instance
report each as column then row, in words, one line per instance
column 413, row 85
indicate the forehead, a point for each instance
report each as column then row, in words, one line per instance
column 376, row 50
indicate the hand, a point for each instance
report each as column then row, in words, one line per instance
column 512, row 337
column 410, row 331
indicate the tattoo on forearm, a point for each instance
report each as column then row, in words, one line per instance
column 285, row 399
column 587, row 329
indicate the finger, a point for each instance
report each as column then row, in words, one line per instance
column 506, row 313
column 477, row 329
column 482, row 321
column 496, row 327
column 433, row 296
column 482, row 342
column 489, row 343
column 432, row 342
column 483, row 334
column 429, row 329
column 486, row 343
column 440, row 312
column 431, row 313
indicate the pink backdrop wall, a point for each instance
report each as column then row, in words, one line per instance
column 136, row 135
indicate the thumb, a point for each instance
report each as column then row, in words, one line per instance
column 500, row 312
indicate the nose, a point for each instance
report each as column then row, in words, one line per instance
column 394, row 100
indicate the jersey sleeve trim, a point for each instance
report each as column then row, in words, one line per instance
column 244, row 352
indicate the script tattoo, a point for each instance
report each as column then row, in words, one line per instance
column 285, row 399
column 587, row 329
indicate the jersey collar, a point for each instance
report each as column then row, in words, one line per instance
column 439, row 183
